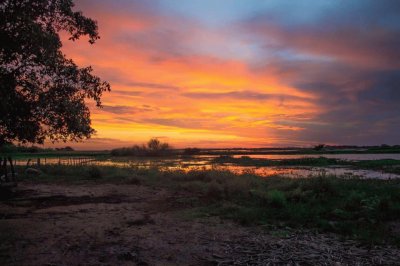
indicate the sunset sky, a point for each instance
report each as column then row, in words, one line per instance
column 241, row 73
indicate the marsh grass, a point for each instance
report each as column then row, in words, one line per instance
column 248, row 161
column 352, row 207
column 385, row 165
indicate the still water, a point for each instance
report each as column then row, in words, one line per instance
column 204, row 162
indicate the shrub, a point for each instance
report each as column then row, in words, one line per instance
column 276, row 198
column 214, row 191
column 94, row 173
column 153, row 148
column 321, row 186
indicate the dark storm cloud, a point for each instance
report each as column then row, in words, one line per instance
column 349, row 57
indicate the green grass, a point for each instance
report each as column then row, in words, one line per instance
column 361, row 209
column 356, row 208
column 248, row 161
column 57, row 154
column 385, row 165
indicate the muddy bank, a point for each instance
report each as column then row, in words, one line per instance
column 111, row 224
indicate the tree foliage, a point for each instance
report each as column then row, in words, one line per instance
column 42, row 93
column 153, row 148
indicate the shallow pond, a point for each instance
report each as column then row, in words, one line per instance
column 265, row 171
column 204, row 162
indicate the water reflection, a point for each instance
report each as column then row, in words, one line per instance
column 301, row 172
column 203, row 162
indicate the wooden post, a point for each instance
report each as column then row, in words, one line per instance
column 5, row 169
column 12, row 168
column 1, row 168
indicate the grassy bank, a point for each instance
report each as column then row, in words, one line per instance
column 56, row 154
column 385, row 165
column 362, row 209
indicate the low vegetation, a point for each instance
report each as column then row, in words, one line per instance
column 385, row 165
column 318, row 149
column 248, row 161
column 10, row 148
column 31, row 152
column 191, row 151
column 356, row 208
column 153, row 148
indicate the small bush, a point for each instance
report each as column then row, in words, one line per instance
column 322, row 186
column 153, row 148
column 354, row 199
column 276, row 198
column 94, row 172
column 214, row 191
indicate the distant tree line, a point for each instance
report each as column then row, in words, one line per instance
column 382, row 146
column 191, row 151
column 12, row 148
column 66, row 148
column 153, row 148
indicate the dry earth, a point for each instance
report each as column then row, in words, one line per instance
column 111, row 224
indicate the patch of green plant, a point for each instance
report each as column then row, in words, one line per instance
column 385, row 165
column 247, row 161
column 355, row 208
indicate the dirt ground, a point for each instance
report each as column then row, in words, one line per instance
column 111, row 224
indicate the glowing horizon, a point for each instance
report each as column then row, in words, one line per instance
column 243, row 73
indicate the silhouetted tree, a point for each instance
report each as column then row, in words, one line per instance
column 156, row 147
column 153, row 148
column 42, row 93
column 319, row 147
column 67, row 148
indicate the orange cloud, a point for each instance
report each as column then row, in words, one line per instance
column 164, row 87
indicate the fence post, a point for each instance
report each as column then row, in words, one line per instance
column 5, row 169
column 12, row 167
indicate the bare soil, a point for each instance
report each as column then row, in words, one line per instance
column 120, row 224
